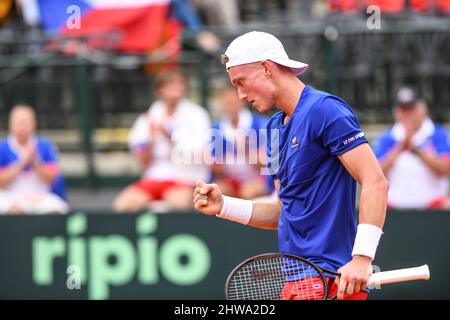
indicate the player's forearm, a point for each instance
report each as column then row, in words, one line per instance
column 265, row 214
column 373, row 202
column 372, row 214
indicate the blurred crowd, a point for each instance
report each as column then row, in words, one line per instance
column 175, row 141
column 392, row 6
column 415, row 156
column 177, row 145
column 197, row 16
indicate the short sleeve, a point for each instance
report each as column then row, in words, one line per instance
column 337, row 126
column 441, row 141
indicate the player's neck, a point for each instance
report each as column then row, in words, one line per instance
column 289, row 96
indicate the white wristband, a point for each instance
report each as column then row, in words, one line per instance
column 238, row 210
column 366, row 241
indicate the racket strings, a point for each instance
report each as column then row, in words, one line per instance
column 275, row 278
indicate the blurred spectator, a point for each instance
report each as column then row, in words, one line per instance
column 171, row 124
column 219, row 13
column 187, row 14
column 238, row 147
column 29, row 179
column 415, row 156
column 131, row 26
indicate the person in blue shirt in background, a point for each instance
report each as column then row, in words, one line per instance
column 416, row 147
column 316, row 153
column 30, row 180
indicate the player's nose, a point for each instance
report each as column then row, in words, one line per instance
column 242, row 96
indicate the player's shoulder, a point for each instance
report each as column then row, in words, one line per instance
column 322, row 109
column 327, row 104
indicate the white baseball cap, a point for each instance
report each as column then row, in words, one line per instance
column 258, row 46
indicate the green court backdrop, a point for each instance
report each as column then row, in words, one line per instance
column 183, row 255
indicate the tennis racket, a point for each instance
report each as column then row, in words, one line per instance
column 268, row 276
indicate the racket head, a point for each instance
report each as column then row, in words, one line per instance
column 273, row 276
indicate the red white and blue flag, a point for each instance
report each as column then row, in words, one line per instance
column 141, row 23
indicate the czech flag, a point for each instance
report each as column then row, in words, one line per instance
column 142, row 25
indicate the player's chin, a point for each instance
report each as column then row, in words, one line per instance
column 262, row 108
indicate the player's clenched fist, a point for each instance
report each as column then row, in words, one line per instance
column 208, row 198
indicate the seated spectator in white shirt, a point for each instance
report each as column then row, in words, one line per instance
column 169, row 141
column 28, row 168
column 415, row 156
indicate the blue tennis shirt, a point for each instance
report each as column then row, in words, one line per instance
column 318, row 218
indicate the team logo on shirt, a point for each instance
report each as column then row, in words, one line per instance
column 359, row 135
column 294, row 142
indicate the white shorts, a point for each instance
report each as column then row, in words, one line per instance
column 40, row 203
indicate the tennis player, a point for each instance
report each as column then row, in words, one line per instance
column 322, row 154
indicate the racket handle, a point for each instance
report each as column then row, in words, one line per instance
column 400, row 275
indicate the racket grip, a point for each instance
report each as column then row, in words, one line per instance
column 400, row 275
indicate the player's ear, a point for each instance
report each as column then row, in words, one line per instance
column 266, row 68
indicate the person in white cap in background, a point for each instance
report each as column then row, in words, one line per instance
column 415, row 147
column 316, row 150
